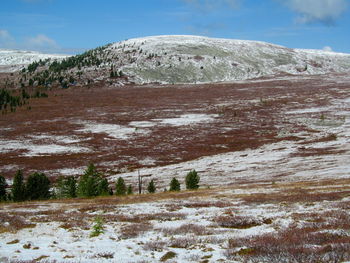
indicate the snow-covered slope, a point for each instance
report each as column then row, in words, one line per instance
column 12, row 60
column 187, row 59
column 191, row 59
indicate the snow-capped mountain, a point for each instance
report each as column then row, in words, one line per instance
column 188, row 59
column 12, row 60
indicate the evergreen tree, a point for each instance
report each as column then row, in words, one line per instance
column 3, row 186
column 192, row 180
column 120, row 187
column 174, row 185
column 88, row 185
column 67, row 187
column 151, row 188
column 72, row 186
column 129, row 191
column 18, row 187
column 37, row 187
column 103, row 187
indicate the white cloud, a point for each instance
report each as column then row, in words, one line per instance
column 324, row 11
column 208, row 5
column 6, row 40
column 328, row 49
column 41, row 42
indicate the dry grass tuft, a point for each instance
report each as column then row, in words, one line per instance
column 206, row 204
column 134, row 230
column 239, row 222
column 197, row 230
column 154, row 246
column 12, row 223
column 183, row 242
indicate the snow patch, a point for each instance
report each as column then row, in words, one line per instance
column 187, row 119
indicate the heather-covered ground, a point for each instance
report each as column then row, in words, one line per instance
column 121, row 129
column 272, row 154
column 245, row 222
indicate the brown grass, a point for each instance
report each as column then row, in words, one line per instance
column 197, row 230
column 295, row 244
column 134, row 230
column 11, row 223
column 183, row 242
column 239, row 222
column 295, row 195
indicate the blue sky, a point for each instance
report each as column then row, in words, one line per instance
column 72, row 26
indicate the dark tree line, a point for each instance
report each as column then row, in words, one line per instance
column 36, row 187
column 90, row 184
column 9, row 101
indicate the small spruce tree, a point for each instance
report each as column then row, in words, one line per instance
column 37, row 187
column 18, row 187
column 174, row 185
column 151, row 188
column 103, row 187
column 3, row 186
column 129, row 191
column 98, row 227
column 67, row 187
column 72, row 186
column 192, row 180
column 89, row 183
column 120, row 187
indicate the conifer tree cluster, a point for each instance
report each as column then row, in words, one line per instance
column 90, row 184
column 37, row 187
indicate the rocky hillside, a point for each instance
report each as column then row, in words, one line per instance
column 186, row 59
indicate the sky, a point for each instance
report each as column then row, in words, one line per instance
column 73, row 26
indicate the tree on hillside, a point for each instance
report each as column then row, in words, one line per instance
column 192, row 180
column 37, row 187
column 129, row 191
column 151, row 188
column 18, row 187
column 3, row 186
column 67, row 187
column 88, row 185
column 174, row 185
column 103, row 188
column 120, row 187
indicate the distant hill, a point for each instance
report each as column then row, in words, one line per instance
column 187, row 59
column 13, row 60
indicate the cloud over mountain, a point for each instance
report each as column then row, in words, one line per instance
column 324, row 11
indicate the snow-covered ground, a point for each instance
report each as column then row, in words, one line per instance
column 196, row 59
column 13, row 60
column 288, row 193
column 44, row 144
column 193, row 226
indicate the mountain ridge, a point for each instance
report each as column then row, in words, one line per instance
column 186, row 59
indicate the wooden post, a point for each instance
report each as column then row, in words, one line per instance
column 140, row 182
